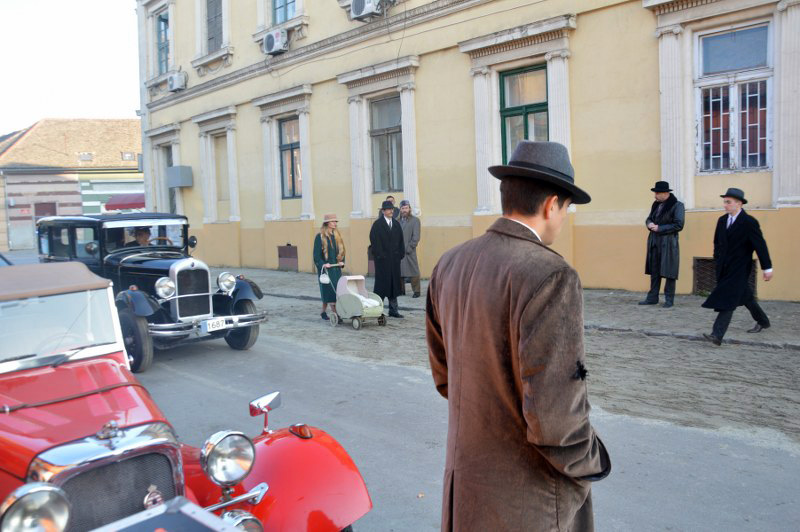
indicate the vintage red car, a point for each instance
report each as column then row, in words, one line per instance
column 83, row 444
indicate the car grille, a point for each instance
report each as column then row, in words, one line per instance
column 193, row 282
column 103, row 495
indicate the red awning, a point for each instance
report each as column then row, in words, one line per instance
column 125, row 201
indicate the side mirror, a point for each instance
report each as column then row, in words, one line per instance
column 192, row 241
column 264, row 405
column 91, row 248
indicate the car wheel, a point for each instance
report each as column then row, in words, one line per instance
column 138, row 343
column 244, row 337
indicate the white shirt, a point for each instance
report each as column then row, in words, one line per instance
column 731, row 220
column 531, row 229
column 388, row 221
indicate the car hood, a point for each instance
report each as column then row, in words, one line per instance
column 29, row 431
column 145, row 261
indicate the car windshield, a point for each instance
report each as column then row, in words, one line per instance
column 143, row 233
column 40, row 326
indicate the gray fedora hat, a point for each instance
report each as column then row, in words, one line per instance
column 547, row 162
column 735, row 193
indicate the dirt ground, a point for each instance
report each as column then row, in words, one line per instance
column 643, row 361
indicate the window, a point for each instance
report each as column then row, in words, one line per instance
column 387, row 145
column 60, row 241
column 84, row 236
column 523, row 107
column 44, row 241
column 735, row 94
column 214, row 24
column 282, row 10
column 291, row 174
column 162, row 41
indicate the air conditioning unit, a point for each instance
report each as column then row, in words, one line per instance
column 275, row 42
column 365, row 9
column 176, row 81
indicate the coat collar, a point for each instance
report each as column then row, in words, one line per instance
column 507, row 227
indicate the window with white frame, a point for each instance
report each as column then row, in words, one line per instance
column 162, row 41
column 734, row 92
column 282, row 10
column 387, row 144
column 289, row 148
column 213, row 25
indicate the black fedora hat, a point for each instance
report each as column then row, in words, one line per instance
column 547, row 162
column 735, row 193
column 387, row 205
column 661, row 186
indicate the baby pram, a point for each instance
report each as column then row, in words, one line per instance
column 353, row 302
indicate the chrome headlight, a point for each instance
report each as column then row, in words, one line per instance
column 226, row 281
column 165, row 287
column 243, row 520
column 35, row 506
column 227, row 457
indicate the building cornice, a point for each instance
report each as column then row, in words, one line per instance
column 163, row 130
column 407, row 19
column 661, row 7
column 535, row 33
column 380, row 71
column 216, row 114
column 280, row 97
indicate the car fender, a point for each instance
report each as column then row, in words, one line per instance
column 245, row 289
column 138, row 302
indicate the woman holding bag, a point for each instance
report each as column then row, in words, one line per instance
column 329, row 253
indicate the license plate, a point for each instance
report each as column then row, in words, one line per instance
column 214, row 325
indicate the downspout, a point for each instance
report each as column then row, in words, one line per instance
column 143, row 113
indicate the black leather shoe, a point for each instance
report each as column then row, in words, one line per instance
column 416, row 295
column 758, row 328
column 646, row 302
column 713, row 339
column 668, row 304
column 395, row 314
column 324, row 316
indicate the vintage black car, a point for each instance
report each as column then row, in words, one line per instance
column 164, row 296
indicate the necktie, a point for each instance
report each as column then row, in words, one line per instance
column 730, row 221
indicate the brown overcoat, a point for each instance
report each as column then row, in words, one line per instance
column 505, row 335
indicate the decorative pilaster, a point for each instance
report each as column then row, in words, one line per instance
column 787, row 139
column 671, row 101
column 233, row 176
column 226, row 22
column 307, row 201
column 488, row 188
column 354, row 104
column 272, row 186
column 159, row 177
column 408, row 125
column 207, row 175
column 176, row 161
column 558, row 97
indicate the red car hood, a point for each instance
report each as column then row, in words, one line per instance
column 26, row 432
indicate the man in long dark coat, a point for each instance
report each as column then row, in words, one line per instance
column 388, row 249
column 736, row 237
column 505, row 340
column 663, row 254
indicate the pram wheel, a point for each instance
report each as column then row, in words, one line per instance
column 333, row 318
column 356, row 323
column 381, row 320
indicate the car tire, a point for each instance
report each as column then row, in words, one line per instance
column 244, row 337
column 138, row 343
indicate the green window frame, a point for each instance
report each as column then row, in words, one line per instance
column 291, row 182
column 282, row 10
column 527, row 112
column 162, row 41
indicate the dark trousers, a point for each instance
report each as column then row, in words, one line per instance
column 655, row 287
column 392, row 304
column 724, row 318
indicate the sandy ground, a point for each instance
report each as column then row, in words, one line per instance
column 643, row 361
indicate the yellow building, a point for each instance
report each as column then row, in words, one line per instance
column 279, row 111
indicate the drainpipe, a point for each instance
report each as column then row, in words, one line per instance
column 143, row 112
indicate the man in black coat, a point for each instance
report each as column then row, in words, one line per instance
column 736, row 237
column 663, row 258
column 388, row 249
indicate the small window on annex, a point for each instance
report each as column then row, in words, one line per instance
column 291, row 173
column 282, row 10
column 523, row 106
column 734, row 115
column 214, row 24
column 162, row 41
column 387, row 145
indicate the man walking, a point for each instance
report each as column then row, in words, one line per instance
column 737, row 235
column 663, row 254
column 409, row 267
column 386, row 239
column 504, row 324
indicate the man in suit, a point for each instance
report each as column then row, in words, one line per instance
column 504, row 324
column 388, row 249
column 736, row 237
column 663, row 254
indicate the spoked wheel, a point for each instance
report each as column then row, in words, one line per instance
column 356, row 323
column 382, row 320
column 244, row 337
column 138, row 343
column 334, row 319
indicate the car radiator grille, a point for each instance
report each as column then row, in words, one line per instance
column 193, row 282
column 103, row 495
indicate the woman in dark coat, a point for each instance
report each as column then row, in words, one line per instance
column 329, row 252
column 665, row 221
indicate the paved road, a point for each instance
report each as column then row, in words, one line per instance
column 390, row 419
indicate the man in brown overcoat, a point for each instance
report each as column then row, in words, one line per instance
column 505, row 340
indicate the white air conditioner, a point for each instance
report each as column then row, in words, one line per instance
column 365, row 9
column 176, row 81
column 275, row 42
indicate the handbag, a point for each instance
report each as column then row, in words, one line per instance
column 324, row 279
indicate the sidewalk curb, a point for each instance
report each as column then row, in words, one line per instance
column 692, row 337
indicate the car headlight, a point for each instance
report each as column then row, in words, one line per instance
column 226, row 281
column 243, row 520
column 35, row 506
column 227, row 457
column 165, row 287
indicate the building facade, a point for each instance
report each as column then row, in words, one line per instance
column 277, row 112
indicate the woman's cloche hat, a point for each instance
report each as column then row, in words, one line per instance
column 661, row 186
column 329, row 218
